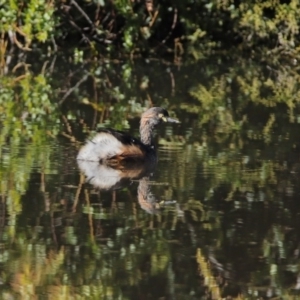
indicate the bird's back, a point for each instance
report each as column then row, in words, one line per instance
column 113, row 146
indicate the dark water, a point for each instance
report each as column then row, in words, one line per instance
column 218, row 216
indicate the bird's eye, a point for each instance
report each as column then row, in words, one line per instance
column 163, row 117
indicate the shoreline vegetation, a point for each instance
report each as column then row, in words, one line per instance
column 246, row 53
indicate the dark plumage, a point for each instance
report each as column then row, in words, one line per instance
column 112, row 146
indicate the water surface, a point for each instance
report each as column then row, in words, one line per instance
column 218, row 216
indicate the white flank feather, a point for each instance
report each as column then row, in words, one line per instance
column 99, row 175
column 101, row 147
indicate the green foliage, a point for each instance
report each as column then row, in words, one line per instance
column 26, row 98
column 24, row 116
column 256, row 24
column 31, row 20
column 139, row 27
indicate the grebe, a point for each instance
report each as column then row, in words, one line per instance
column 112, row 147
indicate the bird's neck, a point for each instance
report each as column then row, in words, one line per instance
column 146, row 130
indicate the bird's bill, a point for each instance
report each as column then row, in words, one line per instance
column 170, row 120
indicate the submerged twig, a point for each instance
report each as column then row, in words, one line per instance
column 78, row 191
column 172, row 82
column 206, row 272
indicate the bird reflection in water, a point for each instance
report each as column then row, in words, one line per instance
column 104, row 177
column 112, row 158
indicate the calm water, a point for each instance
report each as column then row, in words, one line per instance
column 217, row 217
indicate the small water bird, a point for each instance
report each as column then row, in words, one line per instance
column 113, row 147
